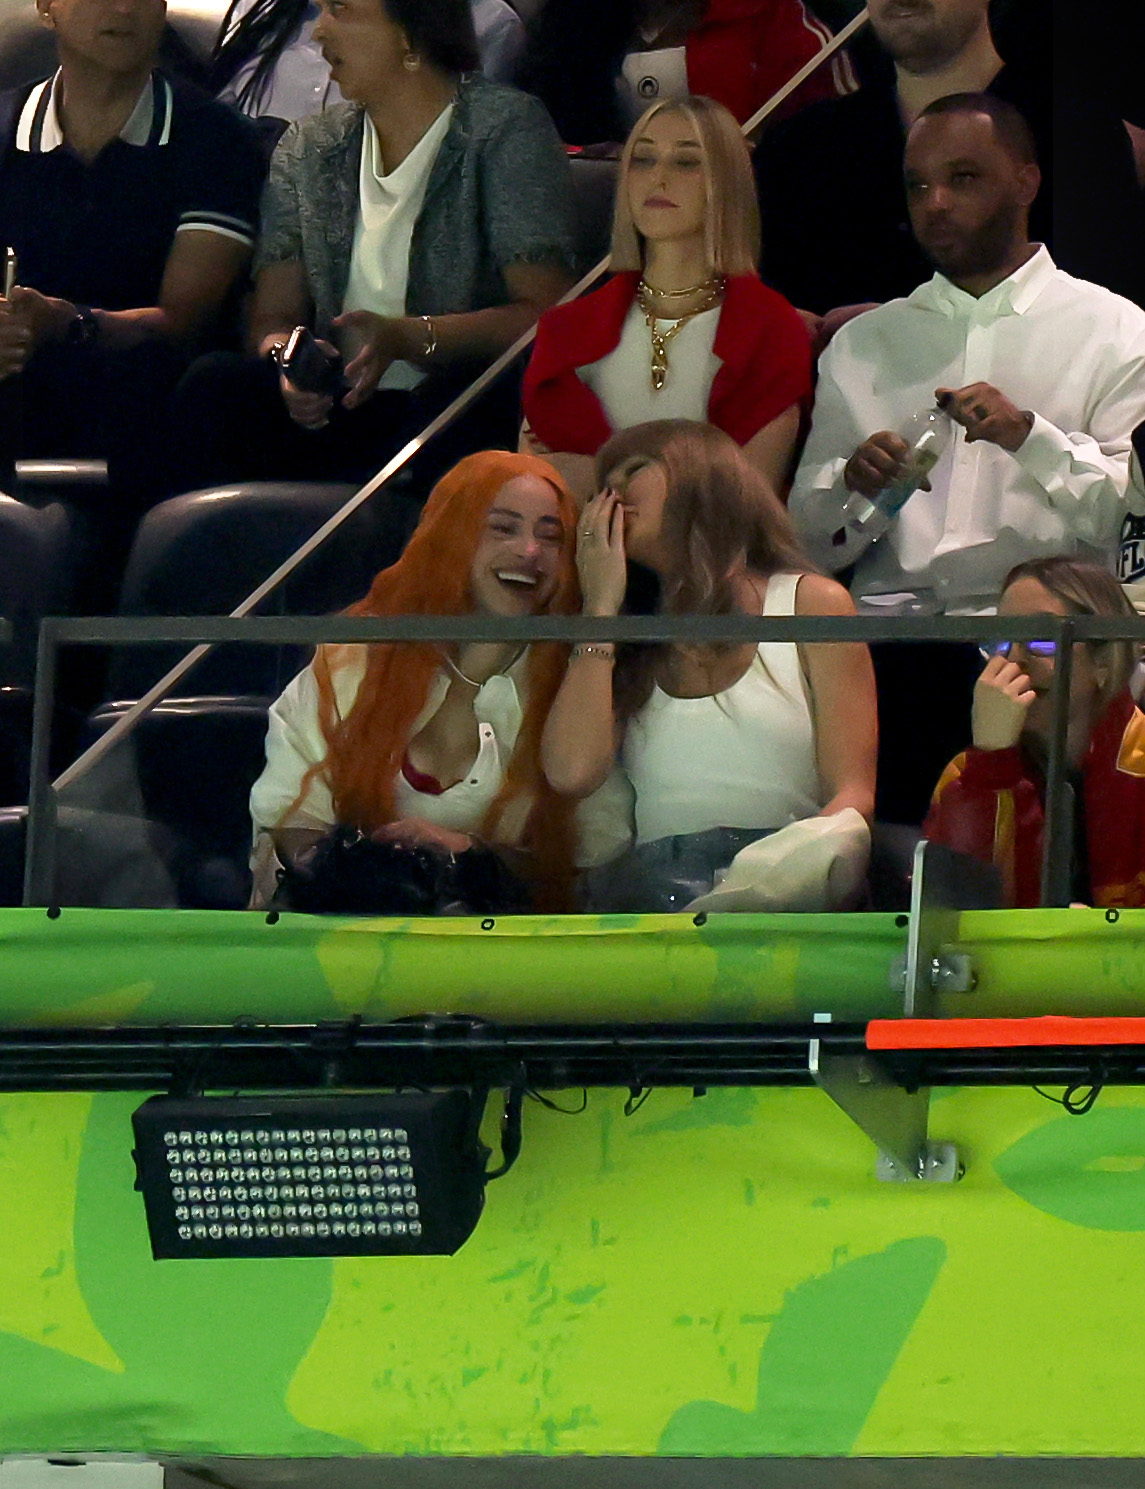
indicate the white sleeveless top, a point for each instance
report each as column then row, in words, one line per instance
column 741, row 758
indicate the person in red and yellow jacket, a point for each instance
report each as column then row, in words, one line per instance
column 686, row 329
column 989, row 802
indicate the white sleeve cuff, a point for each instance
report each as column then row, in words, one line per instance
column 1047, row 453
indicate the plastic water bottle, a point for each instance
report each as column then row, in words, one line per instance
column 928, row 434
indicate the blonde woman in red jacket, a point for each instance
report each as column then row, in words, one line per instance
column 685, row 329
column 989, row 802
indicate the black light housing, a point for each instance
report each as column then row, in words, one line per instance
column 329, row 1175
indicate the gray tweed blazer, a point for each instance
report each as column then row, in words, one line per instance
column 500, row 192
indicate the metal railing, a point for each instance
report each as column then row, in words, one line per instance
column 44, row 796
column 448, row 416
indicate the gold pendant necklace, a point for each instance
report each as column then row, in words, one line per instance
column 712, row 289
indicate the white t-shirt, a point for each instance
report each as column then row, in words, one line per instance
column 388, row 207
column 622, row 380
column 647, row 77
column 741, row 758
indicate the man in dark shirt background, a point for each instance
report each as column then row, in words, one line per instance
column 835, row 225
column 1098, row 67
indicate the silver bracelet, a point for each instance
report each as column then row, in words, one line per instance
column 590, row 649
column 430, row 346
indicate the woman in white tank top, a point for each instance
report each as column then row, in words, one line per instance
column 744, row 737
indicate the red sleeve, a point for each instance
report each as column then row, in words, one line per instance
column 744, row 51
column 562, row 412
column 766, row 354
column 986, row 805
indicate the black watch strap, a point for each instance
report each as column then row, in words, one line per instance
column 83, row 328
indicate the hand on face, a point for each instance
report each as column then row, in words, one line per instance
column 600, row 557
column 986, row 414
column 877, row 462
column 1002, row 700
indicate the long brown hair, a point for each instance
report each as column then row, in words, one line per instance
column 365, row 749
column 720, row 516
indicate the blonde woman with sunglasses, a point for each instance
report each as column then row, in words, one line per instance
column 990, row 800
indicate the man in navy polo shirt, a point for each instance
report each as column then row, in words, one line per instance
column 130, row 200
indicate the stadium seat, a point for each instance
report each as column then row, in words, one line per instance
column 203, row 553
column 36, row 564
column 36, row 572
column 594, row 185
column 104, row 861
column 187, row 773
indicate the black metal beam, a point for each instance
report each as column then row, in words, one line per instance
column 309, row 1057
column 411, row 1053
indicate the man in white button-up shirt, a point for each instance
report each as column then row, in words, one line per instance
column 1044, row 373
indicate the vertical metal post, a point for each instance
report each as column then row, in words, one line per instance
column 1057, row 841
column 40, row 840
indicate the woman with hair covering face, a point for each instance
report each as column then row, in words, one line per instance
column 436, row 748
column 723, row 744
column 685, row 329
column 989, row 802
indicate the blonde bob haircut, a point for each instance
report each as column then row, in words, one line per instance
column 731, row 227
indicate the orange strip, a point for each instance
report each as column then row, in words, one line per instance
column 986, row 1034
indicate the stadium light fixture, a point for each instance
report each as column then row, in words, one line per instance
column 385, row 1174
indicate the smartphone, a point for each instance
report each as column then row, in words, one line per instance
column 309, row 367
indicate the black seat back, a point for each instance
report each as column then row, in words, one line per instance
column 203, row 553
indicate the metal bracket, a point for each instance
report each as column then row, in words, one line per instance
column 944, row 884
column 894, row 1119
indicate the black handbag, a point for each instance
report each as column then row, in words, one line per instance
column 346, row 873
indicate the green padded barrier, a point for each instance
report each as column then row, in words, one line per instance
column 145, row 966
column 711, row 1276
column 150, row 966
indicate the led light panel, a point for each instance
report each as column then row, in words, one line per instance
column 310, row 1176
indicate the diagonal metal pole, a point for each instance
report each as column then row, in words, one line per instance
column 106, row 742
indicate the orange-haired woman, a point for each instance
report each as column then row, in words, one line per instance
column 435, row 750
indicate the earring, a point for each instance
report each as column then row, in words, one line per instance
column 411, row 62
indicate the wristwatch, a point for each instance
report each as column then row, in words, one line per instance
column 83, row 328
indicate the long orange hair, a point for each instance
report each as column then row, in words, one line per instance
column 365, row 749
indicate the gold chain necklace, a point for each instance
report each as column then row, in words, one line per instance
column 693, row 289
column 712, row 290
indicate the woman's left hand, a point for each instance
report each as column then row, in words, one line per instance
column 379, row 342
column 600, row 557
column 416, row 832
